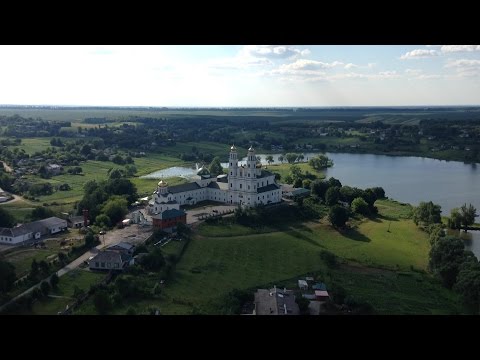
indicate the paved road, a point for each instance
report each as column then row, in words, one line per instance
column 134, row 234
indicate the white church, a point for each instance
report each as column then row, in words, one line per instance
column 246, row 185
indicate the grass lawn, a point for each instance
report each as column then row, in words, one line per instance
column 398, row 293
column 23, row 257
column 284, row 170
column 221, row 258
column 98, row 170
column 19, row 208
column 81, row 278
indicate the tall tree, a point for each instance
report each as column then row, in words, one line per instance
column 269, row 159
column 360, row 206
column 7, row 276
column 338, row 216
column 468, row 284
column 468, row 215
column 446, row 256
column 291, row 157
column 115, row 208
column 455, row 220
column 319, row 188
column 215, row 167
column 427, row 213
column 6, row 219
column 332, row 196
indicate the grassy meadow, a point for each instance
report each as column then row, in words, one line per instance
column 63, row 295
column 221, row 258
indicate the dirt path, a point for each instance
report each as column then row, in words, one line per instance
column 17, row 198
column 7, row 168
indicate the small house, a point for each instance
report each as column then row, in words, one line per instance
column 123, row 247
column 321, row 295
column 302, row 284
column 109, row 260
column 75, row 222
column 319, row 286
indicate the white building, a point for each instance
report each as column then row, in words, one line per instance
column 32, row 231
column 247, row 185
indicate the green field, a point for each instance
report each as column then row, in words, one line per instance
column 52, row 305
column 398, row 292
column 284, row 169
column 22, row 257
column 224, row 257
column 19, row 208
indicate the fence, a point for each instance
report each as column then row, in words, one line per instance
column 216, row 215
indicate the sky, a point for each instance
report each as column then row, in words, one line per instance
column 240, row 76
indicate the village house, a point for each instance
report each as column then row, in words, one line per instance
column 109, row 260
column 123, row 247
column 32, row 231
column 75, row 222
column 54, row 169
column 275, row 302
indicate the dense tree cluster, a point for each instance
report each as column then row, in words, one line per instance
column 99, row 198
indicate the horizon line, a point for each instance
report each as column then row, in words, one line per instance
column 235, row 107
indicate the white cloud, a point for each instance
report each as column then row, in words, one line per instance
column 273, row 51
column 305, row 52
column 464, row 68
column 463, row 63
column 460, row 48
column 380, row 76
column 428, row 77
column 418, row 54
column 305, row 65
column 413, row 72
column 351, row 66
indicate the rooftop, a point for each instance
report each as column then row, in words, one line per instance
column 269, row 187
column 183, row 187
column 275, row 302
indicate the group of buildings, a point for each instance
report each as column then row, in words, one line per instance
column 32, row 231
column 245, row 185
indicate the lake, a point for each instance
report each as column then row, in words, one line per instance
column 404, row 178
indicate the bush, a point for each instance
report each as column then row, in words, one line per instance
column 131, row 311
column 45, row 288
column 302, row 304
column 329, row 258
column 360, row 206
column 103, row 303
column 54, row 280
column 338, row 216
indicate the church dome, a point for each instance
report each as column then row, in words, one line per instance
column 162, row 183
column 203, row 171
column 251, row 148
column 233, row 148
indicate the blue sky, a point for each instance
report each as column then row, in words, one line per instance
column 255, row 75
